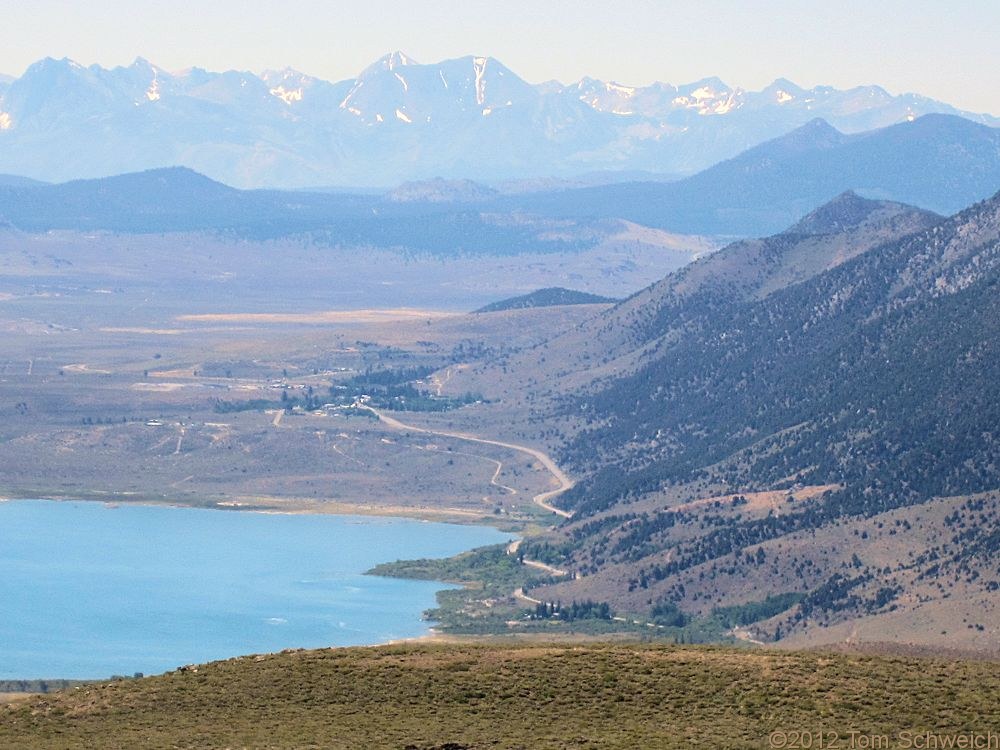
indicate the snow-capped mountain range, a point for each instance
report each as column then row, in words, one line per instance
column 400, row 120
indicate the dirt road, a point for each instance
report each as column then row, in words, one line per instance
column 542, row 499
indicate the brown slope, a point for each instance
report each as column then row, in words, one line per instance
column 616, row 341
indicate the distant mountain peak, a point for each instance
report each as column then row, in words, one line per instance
column 286, row 72
column 818, row 125
column 179, row 174
column 784, row 91
column 389, row 62
column 816, row 132
column 845, row 211
column 160, row 178
column 288, row 85
column 938, row 122
column 465, row 117
column 784, row 83
column 394, row 60
column 711, row 82
column 850, row 211
column 61, row 62
column 549, row 297
column 50, row 67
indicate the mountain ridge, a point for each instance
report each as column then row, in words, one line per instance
column 913, row 267
column 468, row 117
column 938, row 162
column 751, row 455
column 847, row 211
column 623, row 338
column 548, row 297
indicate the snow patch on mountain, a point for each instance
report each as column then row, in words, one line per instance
column 627, row 91
column 479, row 65
column 64, row 121
column 398, row 60
column 346, row 103
column 288, row 96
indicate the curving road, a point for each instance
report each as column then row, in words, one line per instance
column 541, row 499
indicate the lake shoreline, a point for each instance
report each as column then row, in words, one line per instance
column 298, row 507
column 266, row 508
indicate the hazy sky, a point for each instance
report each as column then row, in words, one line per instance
column 946, row 50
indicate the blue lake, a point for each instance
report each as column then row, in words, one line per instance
column 88, row 591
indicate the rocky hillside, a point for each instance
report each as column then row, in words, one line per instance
column 619, row 340
column 789, row 402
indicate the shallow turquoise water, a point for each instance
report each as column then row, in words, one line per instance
column 89, row 591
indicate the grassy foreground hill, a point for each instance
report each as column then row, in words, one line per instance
column 526, row 696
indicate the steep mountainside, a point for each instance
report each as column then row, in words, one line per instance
column 399, row 120
column 753, row 269
column 620, row 340
column 830, row 443
column 886, row 344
